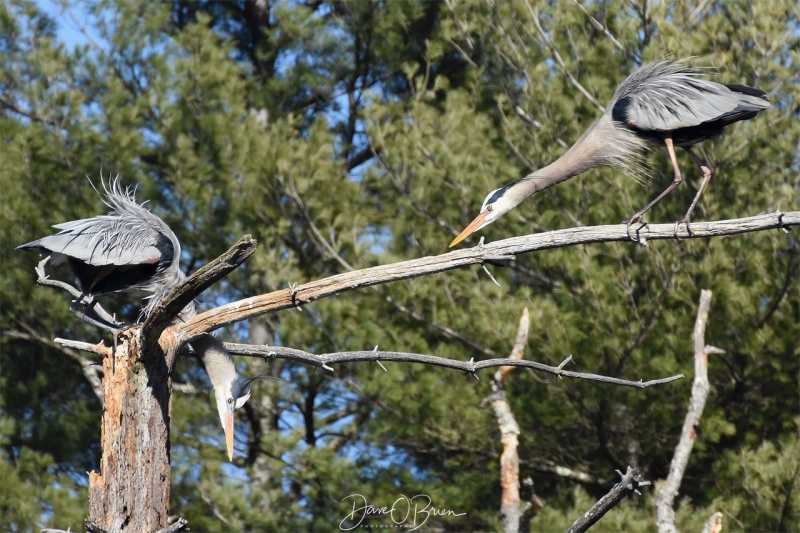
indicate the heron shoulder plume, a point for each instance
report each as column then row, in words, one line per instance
column 127, row 250
column 130, row 250
column 664, row 103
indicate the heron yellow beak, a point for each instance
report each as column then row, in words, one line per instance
column 227, row 426
column 474, row 225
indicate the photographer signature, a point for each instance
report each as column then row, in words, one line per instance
column 410, row 513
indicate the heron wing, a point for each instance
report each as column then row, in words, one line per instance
column 103, row 240
column 666, row 96
column 129, row 235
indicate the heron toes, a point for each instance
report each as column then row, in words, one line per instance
column 637, row 218
column 684, row 220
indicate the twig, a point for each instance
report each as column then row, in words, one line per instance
column 494, row 252
column 665, row 514
column 175, row 527
column 600, row 26
column 560, row 61
column 629, row 483
column 470, row 367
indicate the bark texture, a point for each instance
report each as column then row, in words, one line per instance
column 131, row 491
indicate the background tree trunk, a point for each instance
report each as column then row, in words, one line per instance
column 131, row 492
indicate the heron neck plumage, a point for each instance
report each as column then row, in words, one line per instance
column 581, row 156
column 216, row 359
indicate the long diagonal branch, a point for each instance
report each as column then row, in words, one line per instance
column 498, row 252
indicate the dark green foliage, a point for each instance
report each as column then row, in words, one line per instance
column 343, row 135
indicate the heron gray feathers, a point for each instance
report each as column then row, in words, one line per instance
column 668, row 95
column 131, row 250
column 664, row 103
column 128, row 250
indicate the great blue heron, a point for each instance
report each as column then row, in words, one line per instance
column 663, row 103
column 131, row 250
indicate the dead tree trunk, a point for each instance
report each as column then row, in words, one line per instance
column 131, row 492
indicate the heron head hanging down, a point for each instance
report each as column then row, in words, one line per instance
column 230, row 389
column 497, row 203
column 230, row 397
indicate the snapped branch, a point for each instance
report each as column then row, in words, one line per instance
column 629, row 483
column 665, row 514
column 183, row 295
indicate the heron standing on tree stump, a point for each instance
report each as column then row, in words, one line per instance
column 131, row 250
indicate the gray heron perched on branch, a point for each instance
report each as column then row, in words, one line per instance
column 664, row 103
column 131, row 250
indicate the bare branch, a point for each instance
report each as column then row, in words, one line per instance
column 327, row 250
column 629, row 483
column 509, row 434
column 95, row 309
column 519, row 347
column 471, row 367
column 496, row 252
column 99, row 348
column 174, row 302
column 665, row 514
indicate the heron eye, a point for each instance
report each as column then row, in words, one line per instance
column 230, row 400
column 489, row 208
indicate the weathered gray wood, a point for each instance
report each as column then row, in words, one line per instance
column 494, row 252
column 131, row 491
column 665, row 514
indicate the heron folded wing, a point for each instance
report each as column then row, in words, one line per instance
column 674, row 102
column 102, row 241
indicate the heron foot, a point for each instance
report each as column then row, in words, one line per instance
column 637, row 218
column 684, row 220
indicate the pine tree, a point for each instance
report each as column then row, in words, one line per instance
column 343, row 135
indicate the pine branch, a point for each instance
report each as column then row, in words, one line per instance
column 498, row 252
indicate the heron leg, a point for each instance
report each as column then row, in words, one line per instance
column 706, row 170
column 91, row 317
column 675, row 182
